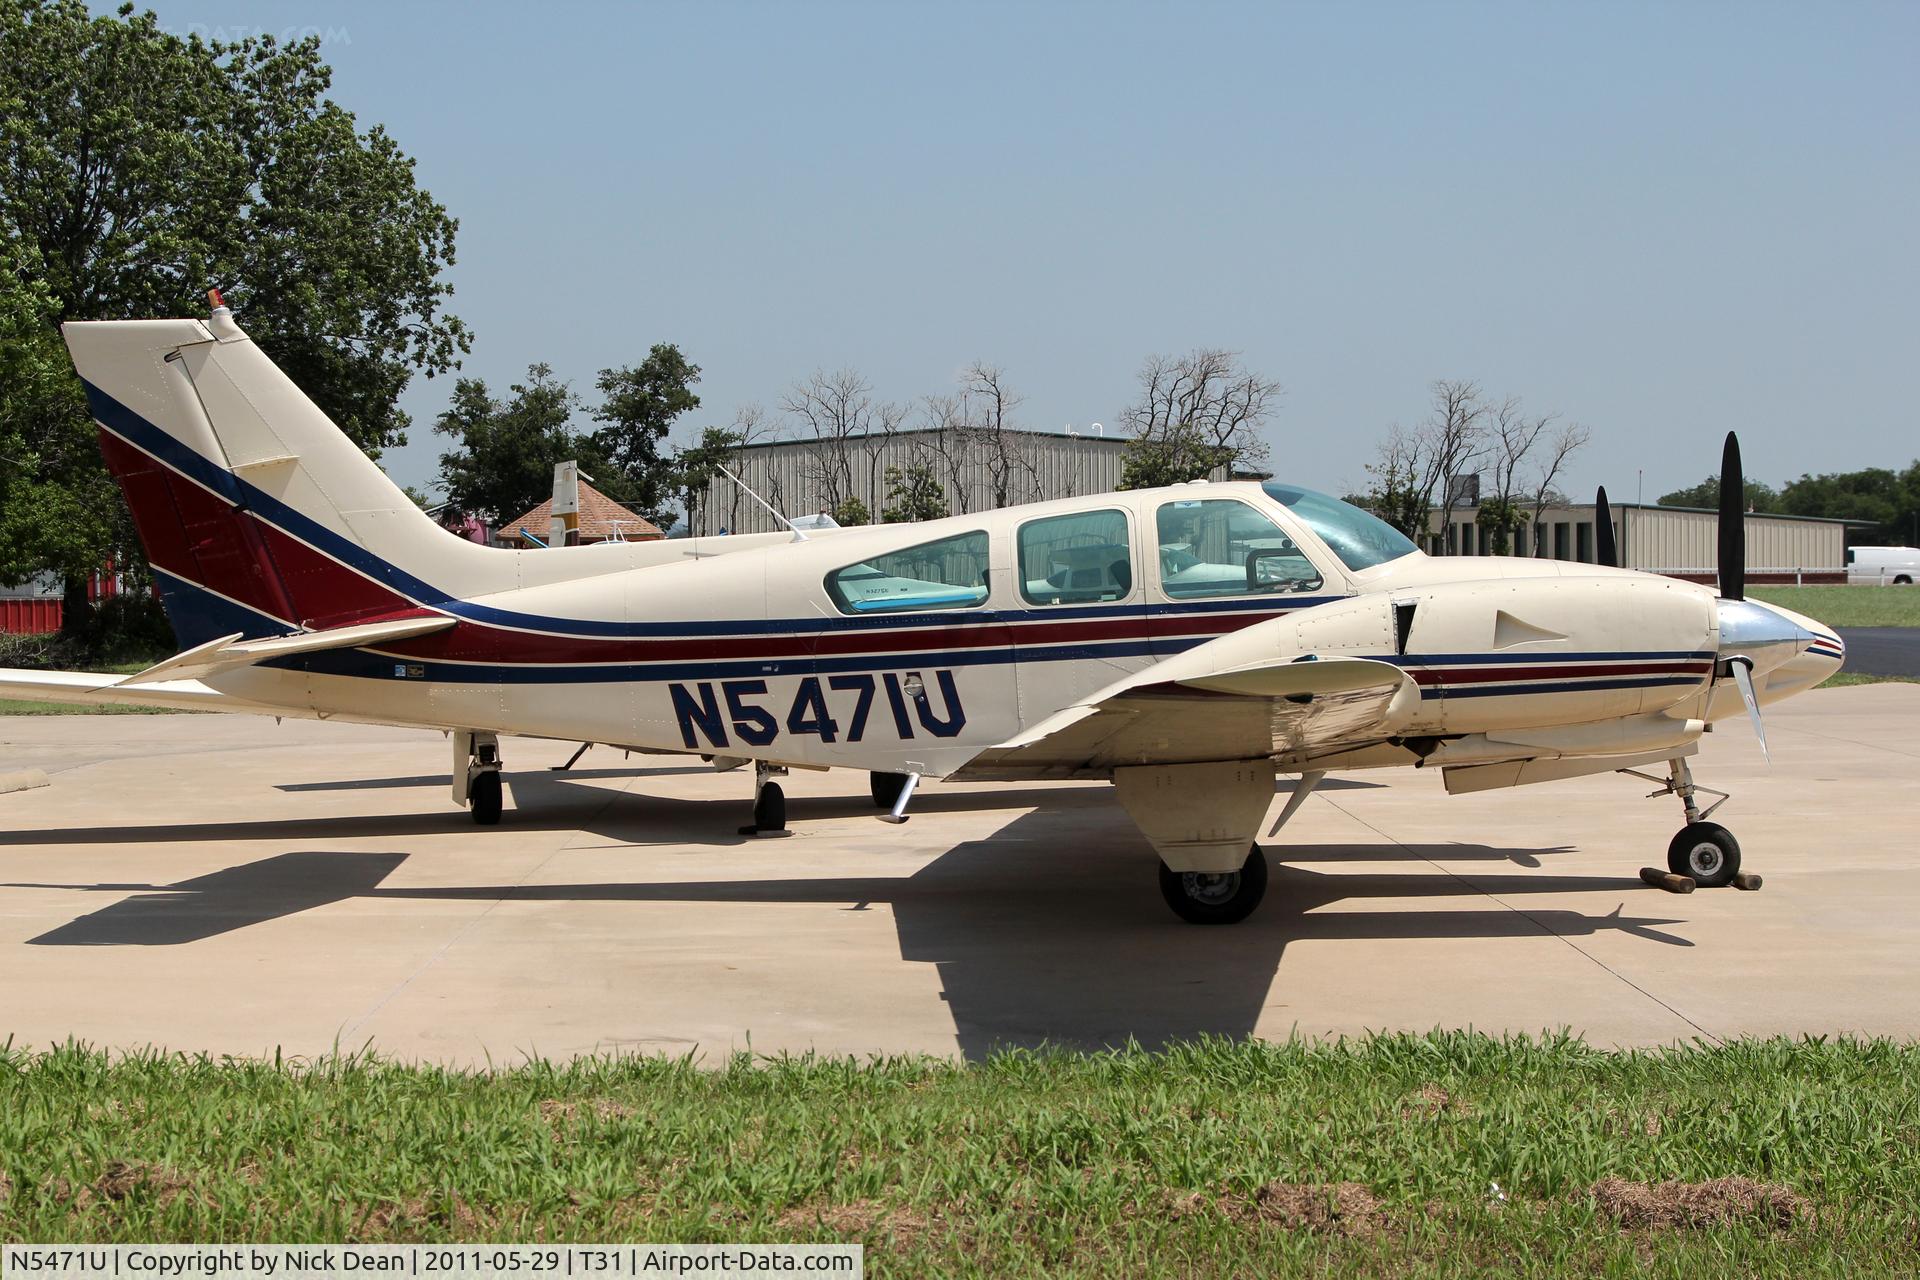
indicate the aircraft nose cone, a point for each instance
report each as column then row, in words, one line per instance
column 1765, row 637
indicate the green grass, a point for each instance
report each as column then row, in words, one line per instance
column 1187, row 1162
column 1848, row 606
column 1843, row 678
column 23, row 707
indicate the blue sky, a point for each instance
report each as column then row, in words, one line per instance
column 1661, row 221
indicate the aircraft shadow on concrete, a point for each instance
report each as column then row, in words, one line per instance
column 1045, row 933
column 553, row 801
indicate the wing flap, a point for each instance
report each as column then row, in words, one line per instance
column 1278, row 710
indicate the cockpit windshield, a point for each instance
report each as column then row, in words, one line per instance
column 1359, row 539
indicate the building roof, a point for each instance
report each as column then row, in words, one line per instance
column 600, row 517
column 792, row 442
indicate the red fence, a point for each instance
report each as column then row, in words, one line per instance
column 35, row 616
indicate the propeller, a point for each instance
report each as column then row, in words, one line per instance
column 1605, row 552
column 1742, row 669
column 1733, row 523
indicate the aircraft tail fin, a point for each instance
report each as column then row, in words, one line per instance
column 258, row 515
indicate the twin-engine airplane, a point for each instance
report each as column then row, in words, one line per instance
column 1186, row 643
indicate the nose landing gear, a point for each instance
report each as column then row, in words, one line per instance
column 1704, row 851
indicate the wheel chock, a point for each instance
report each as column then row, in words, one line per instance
column 1747, row 880
column 1666, row 880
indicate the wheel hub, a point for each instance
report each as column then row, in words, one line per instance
column 1211, row 888
column 1705, row 858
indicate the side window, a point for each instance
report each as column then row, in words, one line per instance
column 1083, row 558
column 948, row 574
column 1223, row 547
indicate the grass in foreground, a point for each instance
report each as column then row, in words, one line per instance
column 1848, row 606
column 1375, row 1157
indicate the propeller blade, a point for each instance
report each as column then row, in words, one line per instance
column 1604, row 550
column 1733, row 523
column 1743, row 676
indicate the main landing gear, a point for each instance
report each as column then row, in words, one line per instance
column 476, row 775
column 1704, row 851
column 769, row 802
column 1226, row 897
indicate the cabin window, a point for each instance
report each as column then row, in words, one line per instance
column 1223, row 547
column 948, row 574
column 1083, row 558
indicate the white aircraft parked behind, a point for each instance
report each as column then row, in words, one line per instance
column 1187, row 643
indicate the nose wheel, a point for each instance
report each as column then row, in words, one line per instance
column 1705, row 852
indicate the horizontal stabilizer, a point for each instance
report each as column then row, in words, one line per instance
column 88, row 689
column 229, row 652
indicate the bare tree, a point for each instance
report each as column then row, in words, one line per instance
column 1004, row 451
column 1562, row 444
column 750, row 426
column 1194, row 413
column 945, row 445
column 832, row 410
column 1415, row 468
column 1511, row 436
column 1453, row 435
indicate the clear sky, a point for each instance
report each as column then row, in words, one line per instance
column 1662, row 221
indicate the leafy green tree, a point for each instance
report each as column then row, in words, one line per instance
column 639, row 406
column 506, row 450
column 57, row 504
column 142, row 167
column 1175, row 458
column 914, row 493
column 1706, row 496
column 1874, row 494
column 850, row 512
column 695, row 466
column 1500, row 518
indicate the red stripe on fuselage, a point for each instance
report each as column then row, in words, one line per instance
column 1556, row 671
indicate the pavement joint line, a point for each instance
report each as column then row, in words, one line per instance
column 475, row 921
column 1531, row 918
column 1853, row 742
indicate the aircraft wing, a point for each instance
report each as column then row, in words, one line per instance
column 1280, row 708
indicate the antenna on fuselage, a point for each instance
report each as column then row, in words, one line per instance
column 764, row 504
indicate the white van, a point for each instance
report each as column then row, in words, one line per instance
column 1883, row 566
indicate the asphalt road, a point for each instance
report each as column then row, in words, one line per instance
column 230, row 885
column 1883, row 651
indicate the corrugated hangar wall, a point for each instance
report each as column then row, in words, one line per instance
column 1669, row 538
column 802, row 477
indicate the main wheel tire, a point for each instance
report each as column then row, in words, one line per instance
column 770, row 808
column 1903, row 581
column 1226, row 898
column 886, row 788
column 1707, row 852
column 484, row 794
